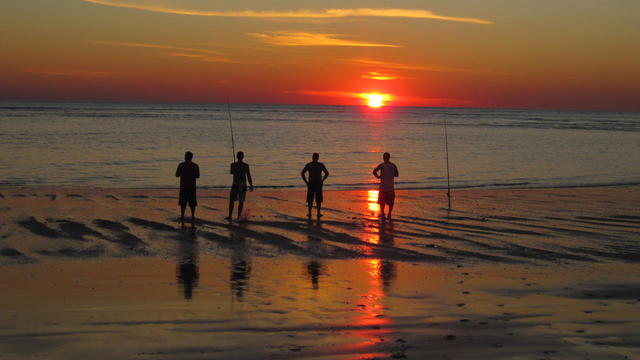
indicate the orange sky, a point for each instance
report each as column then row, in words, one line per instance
column 579, row 54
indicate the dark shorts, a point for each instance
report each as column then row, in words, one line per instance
column 188, row 196
column 314, row 190
column 386, row 197
column 238, row 192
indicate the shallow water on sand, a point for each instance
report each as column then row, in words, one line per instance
column 140, row 145
column 522, row 274
column 247, row 307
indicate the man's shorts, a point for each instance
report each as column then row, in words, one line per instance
column 238, row 192
column 314, row 190
column 188, row 196
column 386, row 197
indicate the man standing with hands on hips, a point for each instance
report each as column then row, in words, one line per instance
column 386, row 172
column 314, row 183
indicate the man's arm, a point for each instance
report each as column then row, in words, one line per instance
column 231, row 168
column 395, row 171
column 375, row 171
column 326, row 173
column 197, row 171
column 178, row 170
column 304, row 177
column 249, row 178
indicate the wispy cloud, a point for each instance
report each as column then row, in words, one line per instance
column 373, row 75
column 192, row 53
column 286, row 38
column 300, row 14
column 71, row 73
column 157, row 46
column 416, row 67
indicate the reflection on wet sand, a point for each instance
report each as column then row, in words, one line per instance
column 240, row 266
column 373, row 324
column 187, row 273
column 372, row 203
column 314, row 267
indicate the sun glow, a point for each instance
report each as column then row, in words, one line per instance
column 375, row 100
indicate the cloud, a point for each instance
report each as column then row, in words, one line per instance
column 402, row 100
column 329, row 93
column 430, row 68
column 378, row 76
column 286, row 38
column 71, row 73
column 300, row 14
column 157, row 46
column 192, row 53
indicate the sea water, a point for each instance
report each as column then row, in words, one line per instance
column 140, row 145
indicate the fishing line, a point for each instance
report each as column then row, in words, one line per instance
column 233, row 144
column 446, row 147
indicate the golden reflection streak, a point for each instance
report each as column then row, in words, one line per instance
column 372, row 201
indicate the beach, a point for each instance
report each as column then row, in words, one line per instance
column 549, row 273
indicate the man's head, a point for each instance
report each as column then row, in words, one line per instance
column 315, row 156
column 240, row 155
column 386, row 156
column 188, row 156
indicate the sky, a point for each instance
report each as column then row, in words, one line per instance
column 547, row 54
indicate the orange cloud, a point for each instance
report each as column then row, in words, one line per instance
column 432, row 68
column 286, row 38
column 193, row 53
column 156, row 46
column 71, row 73
column 397, row 99
column 300, row 14
column 378, row 76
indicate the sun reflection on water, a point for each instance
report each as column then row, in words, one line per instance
column 372, row 201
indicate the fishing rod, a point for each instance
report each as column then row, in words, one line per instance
column 446, row 147
column 233, row 145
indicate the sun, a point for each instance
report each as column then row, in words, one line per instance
column 374, row 99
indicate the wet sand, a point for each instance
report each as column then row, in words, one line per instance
column 505, row 274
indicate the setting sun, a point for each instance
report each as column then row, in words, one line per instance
column 375, row 100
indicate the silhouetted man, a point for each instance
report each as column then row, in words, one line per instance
column 188, row 172
column 314, row 183
column 386, row 172
column 241, row 174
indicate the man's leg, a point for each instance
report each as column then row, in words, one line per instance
column 392, row 200
column 182, row 209
column 319, row 199
column 382, row 204
column 230, row 208
column 193, row 215
column 240, row 206
column 309, row 205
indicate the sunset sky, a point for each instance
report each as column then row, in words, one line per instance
column 577, row 54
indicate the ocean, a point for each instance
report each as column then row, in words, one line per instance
column 140, row 145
